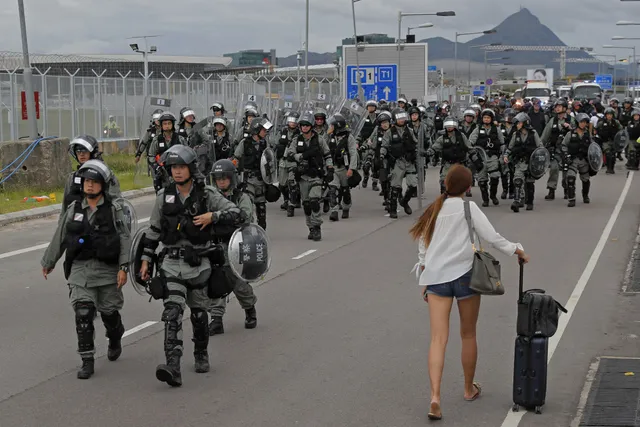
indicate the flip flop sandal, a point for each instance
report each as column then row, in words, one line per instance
column 477, row 395
column 433, row 415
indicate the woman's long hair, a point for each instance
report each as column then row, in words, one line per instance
column 456, row 183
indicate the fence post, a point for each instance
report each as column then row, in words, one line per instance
column 12, row 89
column 99, row 76
column 206, row 93
column 188, row 91
column 124, row 102
column 167, row 78
column 72, row 85
column 43, row 98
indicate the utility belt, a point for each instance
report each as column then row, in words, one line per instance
column 250, row 173
column 193, row 256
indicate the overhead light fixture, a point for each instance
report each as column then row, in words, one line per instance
column 134, row 47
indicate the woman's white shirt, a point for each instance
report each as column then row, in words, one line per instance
column 450, row 254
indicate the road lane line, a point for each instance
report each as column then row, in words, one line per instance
column 304, row 254
column 138, row 328
column 43, row 245
column 513, row 418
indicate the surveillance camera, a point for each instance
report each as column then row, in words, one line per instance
column 134, row 47
column 153, row 49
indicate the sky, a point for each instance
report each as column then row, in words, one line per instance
column 214, row 27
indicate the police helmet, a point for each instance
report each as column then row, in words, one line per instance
column 635, row 112
column 413, row 110
column 450, row 122
column 628, row 100
column 293, row 117
column 179, row 155
column 84, row 143
column 522, row 118
column 481, row 99
column 258, row 124
column 385, row 107
column 582, row 117
column 217, row 106
column 502, row 104
column 249, row 105
column 423, row 109
column 476, row 107
column 384, row 116
column 156, row 115
column 609, row 110
column 402, row 99
column 371, row 103
column 489, row 112
column 167, row 116
column 614, row 99
column 224, row 168
column 562, row 102
column 249, row 110
column 469, row 112
column 220, row 120
column 320, row 112
column 96, row 170
column 339, row 124
column 306, row 119
column 399, row 114
column 186, row 111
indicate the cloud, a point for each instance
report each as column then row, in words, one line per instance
column 205, row 27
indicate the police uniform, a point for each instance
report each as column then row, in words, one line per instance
column 453, row 148
column 506, row 170
column 185, row 273
column 490, row 139
column 345, row 157
column 97, row 244
column 633, row 154
column 606, row 131
column 249, row 152
column 159, row 145
column 575, row 147
column 368, row 126
column 522, row 145
column 286, row 180
column 311, row 155
column 399, row 148
column 552, row 138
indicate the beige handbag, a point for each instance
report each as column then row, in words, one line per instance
column 485, row 273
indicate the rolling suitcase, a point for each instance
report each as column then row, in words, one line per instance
column 529, row 368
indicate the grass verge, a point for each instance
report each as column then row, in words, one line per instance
column 122, row 165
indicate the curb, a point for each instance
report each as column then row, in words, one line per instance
column 46, row 211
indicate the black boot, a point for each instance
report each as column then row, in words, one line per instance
column 365, row 181
column 115, row 329
column 170, row 372
column 311, row 233
column 585, row 191
column 333, row 202
column 405, row 200
column 333, row 216
column 505, row 186
column 484, row 191
column 515, row 206
column 261, row 214
column 571, row 193
column 250, row 318
column 200, row 340
column 345, row 213
column 393, row 202
column 374, row 185
column 216, row 327
column 493, row 191
column 290, row 211
column 317, row 233
column 512, row 187
column 85, row 313
column 530, row 193
column 611, row 161
column 551, row 195
column 326, row 205
column 285, row 197
column 86, row 371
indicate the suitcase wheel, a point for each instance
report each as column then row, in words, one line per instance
column 538, row 409
column 515, row 408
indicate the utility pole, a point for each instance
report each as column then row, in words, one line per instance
column 27, row 75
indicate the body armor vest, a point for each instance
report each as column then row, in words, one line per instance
column 453, row 151
column 341, row 156
column 284, row 141
column 522, row 150
column 578, row 146
column 163, row 145
column 402, row 145
column 311, row 155
column 368, row 126
column 488, row 139
column 222, row 146
column 633, row 129
column 177, row 217
column 99, row 240
column 252, row 154
column 607, row 130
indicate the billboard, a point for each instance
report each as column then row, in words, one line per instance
column 541, row 74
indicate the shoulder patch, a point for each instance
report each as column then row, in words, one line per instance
column 170, row 198
column 78, row 217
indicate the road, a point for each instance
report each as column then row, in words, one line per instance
column 342, row 333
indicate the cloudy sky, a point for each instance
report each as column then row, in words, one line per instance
column 214, row 27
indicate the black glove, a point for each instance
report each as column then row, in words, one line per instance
column 329, row 174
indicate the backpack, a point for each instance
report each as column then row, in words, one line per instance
column 538, row 314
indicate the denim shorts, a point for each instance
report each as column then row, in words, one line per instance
column 458, row 288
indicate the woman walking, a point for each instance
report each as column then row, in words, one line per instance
column 444, row 265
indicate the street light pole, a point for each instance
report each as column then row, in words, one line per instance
column 27, row 75
column 455, row 50
column 306, row 53
column 355, row 42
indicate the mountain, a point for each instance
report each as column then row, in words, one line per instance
column 522, row 28
column 314, row 59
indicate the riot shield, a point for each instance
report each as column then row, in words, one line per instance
column 248, row 253
column 130, row 216
column 621, row 140
column 269, row 166
column 594, row 157
column 135, row 262
column 475, row 156
column 482, row 154
column 539, row 162
column 258, row 101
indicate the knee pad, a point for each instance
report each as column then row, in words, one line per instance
column 113, row 324
column 314, row 204
column 366, row 168
column 284, row 190
column 261, row 210
column 346, row 195
column 85, row 312
column 306, row 206
column 171, row 313
column 571, row 180
column 518, row 182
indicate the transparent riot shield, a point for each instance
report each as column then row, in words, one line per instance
column 269, row 166
column 130, row 216
column 153, row 106
column 594, row 157
column 244, row 101
column 135, row 262
column 621, row 140
column 539, row 162
column 249, row 253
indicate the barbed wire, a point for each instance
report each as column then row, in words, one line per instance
column 12, row 60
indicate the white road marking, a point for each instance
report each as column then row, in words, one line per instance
column 44, row 245
column 138, row 328
column 304, row 254
column 513, row 418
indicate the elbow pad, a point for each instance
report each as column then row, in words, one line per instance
column 230, row 217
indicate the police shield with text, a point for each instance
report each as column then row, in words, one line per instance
column 184, row 219
column 94, row 236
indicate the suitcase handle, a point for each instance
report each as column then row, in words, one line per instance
column 521, row 281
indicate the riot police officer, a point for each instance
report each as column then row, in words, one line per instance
column 380, row 167
column 154, row 129
column 523, row 142
column 248, row 154
column 250, row 114
column 225, row 176
column 161, row 143
column 399, row 149
column 286, row 180
column 184, row 220
column 84, row 148
column 185, row 125
column 94, row 234
column 626, row 112
column 508, row 129
column 221, row 139
column 343, row 147
column 468, row 124
column 552, row 137
column 311, row 155
column 633, row 129
column 488, row 137
column 367, row 128
column 452, row 146
column 606, row 131
column 575, row 148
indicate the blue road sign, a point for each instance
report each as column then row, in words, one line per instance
column 378, row 81
column 489, row 82
column 432, row 68
column 605, row 81
column 478, row 90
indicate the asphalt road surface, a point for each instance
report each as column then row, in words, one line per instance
column 342, row 333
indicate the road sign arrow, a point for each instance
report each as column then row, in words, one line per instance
column 386, row 91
